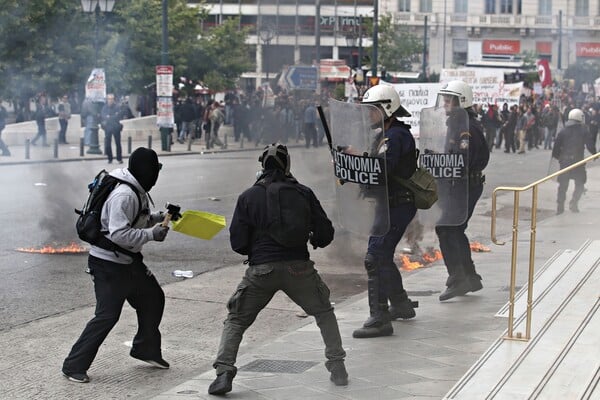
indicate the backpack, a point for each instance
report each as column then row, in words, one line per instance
column 288, row 212
column 422, row 185
column 88, row 225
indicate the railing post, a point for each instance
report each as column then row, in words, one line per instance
column 534, row 195
column 513, row 266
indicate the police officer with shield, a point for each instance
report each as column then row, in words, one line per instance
column 458, row 196
column 397, row 146
column 568, row 149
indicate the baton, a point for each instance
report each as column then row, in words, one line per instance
column 325, row 127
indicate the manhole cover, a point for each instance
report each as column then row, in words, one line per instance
column 281, row 366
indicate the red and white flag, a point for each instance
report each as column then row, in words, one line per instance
column 543, row 68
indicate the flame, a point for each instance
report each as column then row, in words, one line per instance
column 420, row 260
column 478, row 247
column 68, row 249
column 408, row 265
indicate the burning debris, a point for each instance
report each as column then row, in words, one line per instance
column 418, row 259
column 72, row 248
column 478, row 247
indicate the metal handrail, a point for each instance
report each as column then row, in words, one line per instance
column 515, row 232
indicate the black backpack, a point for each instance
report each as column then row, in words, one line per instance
column 88, row 223
column 288, row 212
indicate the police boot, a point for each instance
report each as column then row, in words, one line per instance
column 222, row 384
column 457, row 285
column 573, row 206
column 375, row 326
column 560, row 208
column 402, row 307
column 378, row 324
column 474, row 282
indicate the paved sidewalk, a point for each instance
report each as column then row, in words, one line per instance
column 425, row 356
column 73, row 152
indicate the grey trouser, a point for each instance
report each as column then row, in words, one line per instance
column 303, row 285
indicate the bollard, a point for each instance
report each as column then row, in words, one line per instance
column 81, row 146
column 225, row 141
column 27, row 146
column 129, row 144
column 242, row 142
column 55, row 148
column 149, row 141
column 190, row 140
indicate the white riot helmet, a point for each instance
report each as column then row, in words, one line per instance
column 461, row 90
column 386, row 97
column 576, row 115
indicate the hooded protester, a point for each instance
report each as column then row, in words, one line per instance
column 118, row 271
column 272, row 223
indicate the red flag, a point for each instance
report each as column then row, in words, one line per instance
column 544, row 72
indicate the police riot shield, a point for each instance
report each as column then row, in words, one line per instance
column 444, row 151
column 358, row 152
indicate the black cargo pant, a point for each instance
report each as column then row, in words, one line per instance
column 114, row 283
column 303, row 285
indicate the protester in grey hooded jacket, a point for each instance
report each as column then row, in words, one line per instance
column 120, row 277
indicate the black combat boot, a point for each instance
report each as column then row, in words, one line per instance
column 375, row 326
column 402, row 307
column 474, row 282
column 457, row 288
column 560, row 208
column 573, row 206
column 222, row 384
column 339, row 375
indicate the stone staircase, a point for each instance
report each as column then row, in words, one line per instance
column 562, row 358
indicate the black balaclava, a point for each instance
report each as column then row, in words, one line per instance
column 144, row 166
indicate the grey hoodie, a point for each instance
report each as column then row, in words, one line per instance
column 118, row 213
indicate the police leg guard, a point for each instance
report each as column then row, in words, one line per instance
column 472, row 277
column 400, row 305
column 378, row 323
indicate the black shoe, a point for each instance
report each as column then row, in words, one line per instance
column 120, row 161
column 475, row 282
column 573, row 207
column 560, row 209
column 339, row 375
column 222, row 384
column 155, row 362
column 76, row 377
column 459, row 288
column 404, row 309
column 110, row 161
column 373, row 328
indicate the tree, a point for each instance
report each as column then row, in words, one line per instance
column 398, row 49
column 48, row 45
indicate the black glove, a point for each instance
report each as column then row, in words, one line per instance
column 159, row 232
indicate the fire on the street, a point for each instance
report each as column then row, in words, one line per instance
column 72, row 248
column 420, row 260
column 478, row 247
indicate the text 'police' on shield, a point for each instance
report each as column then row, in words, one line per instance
column 444, row 165
column 358, row 169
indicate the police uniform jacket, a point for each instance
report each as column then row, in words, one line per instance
column 400, row 157
column 570, row 144
column 468, row 140
column 248, row 228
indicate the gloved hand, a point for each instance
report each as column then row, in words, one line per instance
column 157, row 217
column 159, row 232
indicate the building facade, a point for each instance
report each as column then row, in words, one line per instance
column 459, row 32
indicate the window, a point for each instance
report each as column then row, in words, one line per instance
column 506, row 6
column 459, row 51
column 461, row 6
column 490, row 6
column 582, row 8
column 545, row 7
column 404, row 5
column 425, row 6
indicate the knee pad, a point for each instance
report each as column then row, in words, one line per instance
column 371, row 264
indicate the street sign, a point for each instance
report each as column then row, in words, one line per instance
column 299, row 77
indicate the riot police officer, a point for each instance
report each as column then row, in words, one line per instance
column 468, row 139
column 384, row 279
column 568, row 149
